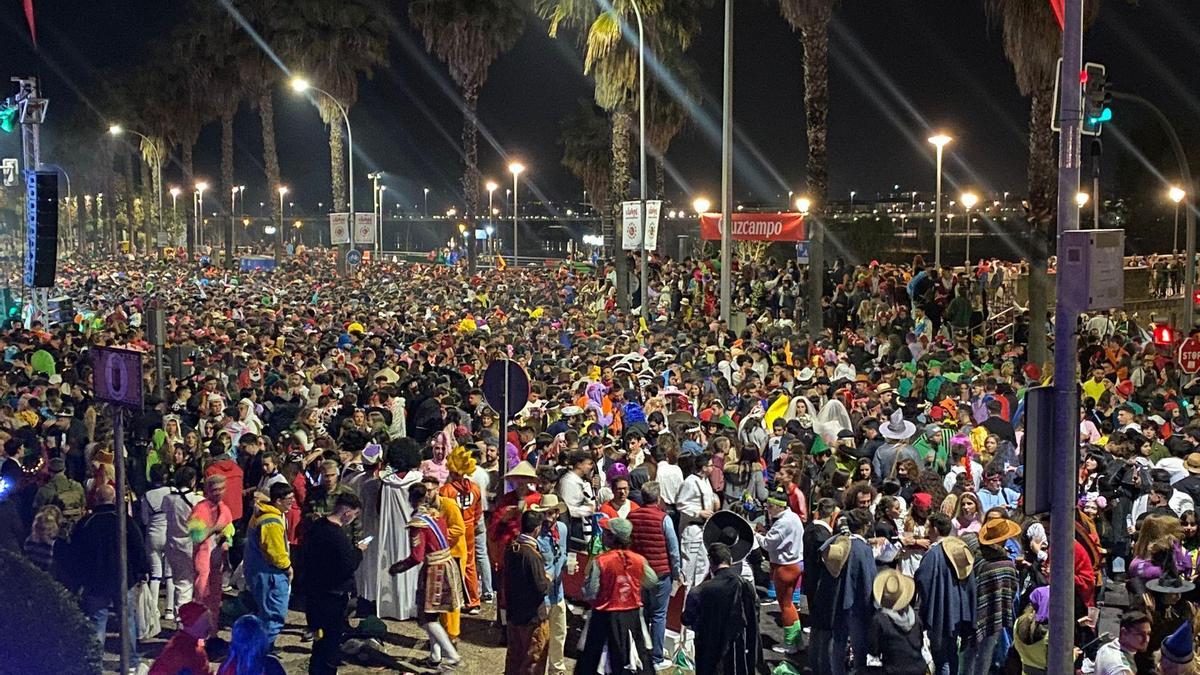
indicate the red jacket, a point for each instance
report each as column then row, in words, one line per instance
column 183, row 651
column 233, row 484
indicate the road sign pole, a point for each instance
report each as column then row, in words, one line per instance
column 122, row 535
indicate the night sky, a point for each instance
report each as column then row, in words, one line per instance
column 899, row 69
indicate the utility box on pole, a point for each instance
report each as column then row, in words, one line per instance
column 1091, row 271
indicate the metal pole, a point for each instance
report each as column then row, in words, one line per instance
column 645, row 266
column 727, row 166
column 122, row 535
column 514, row 210
column 1189, row 211
column 1096, row 150
column 1175, row 241
column 937, row 212
column 1066, row 400
column 967, row 266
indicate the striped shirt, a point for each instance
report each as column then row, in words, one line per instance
column 39, row 554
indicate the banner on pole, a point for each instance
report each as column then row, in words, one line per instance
column 631, row 226
column 339, row 228
column 653, row 214
column 755, row 226
column 364, row 228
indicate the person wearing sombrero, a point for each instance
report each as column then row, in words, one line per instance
column 897, row 433
column 724, row 612
column 896, row 636
column 946, row 586
column 996, row 589
column 850, row 563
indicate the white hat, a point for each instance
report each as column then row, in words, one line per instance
column 805, row 374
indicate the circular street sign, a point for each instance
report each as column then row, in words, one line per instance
column 1189, row 355
column 494, row 387
column 353, row 257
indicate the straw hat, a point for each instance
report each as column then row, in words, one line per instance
column 893, row 590
column 522, row 470
column 549, row 502
column 959, row 556
column 998, row 531
column 836, row 554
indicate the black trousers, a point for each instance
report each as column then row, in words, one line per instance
column 619, row 631
column 326, row 613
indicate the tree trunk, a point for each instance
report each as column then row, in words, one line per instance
column 471, row 177
column 660, row 178
column 147, row 192
column 815, row 38
column 266, row 116
column 1043, row 201
column 622, row 121
column 337, row 163
column 1043, row 198
column 130, row 212
column 224, row 196
column 187, row 150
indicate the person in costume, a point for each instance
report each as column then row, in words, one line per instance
column 946, row 585
column 850, row 561
column 439, row 584
column 895, row 636
column 394, row 594
column 185, row 650
column 784, row 546
column 613, row 584
column 211, row 529
column 724, row 613
column 460, row 489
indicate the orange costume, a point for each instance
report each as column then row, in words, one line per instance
column 465, row 493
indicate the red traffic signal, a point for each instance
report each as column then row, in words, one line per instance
column 1164, row 335
column 1196, row 298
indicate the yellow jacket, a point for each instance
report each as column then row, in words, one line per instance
column 273, row 541
column 455, row 525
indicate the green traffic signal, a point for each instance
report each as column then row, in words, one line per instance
column 8, row 119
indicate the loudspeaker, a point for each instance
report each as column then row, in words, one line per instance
column 41, row 228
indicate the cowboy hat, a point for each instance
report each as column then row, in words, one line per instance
column 1192, row 463
column 998, row 531
column 805, row 374
column 522, row 470
column 959, row 556
column 549, row 502
column 727, row 527
column 898, row 428
column 893, row 590
column 835, row 554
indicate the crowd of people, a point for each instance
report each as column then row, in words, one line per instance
column 324, row 444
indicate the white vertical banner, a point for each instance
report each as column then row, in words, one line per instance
column 364, row 228
column 631, row 226
column 339, row 228
column 653, row 212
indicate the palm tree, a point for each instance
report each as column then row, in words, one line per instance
column 1033, row 44
column 812, row 18
column 468, row 35
column 338, row 42
column 612, row 63
column 586, row 139
column 666, row 115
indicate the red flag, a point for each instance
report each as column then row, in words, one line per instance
column 29, row 20
column 1056, row 5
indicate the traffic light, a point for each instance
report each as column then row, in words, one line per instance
column 1096, row 99
column 1164, row 335
column 8, row 118
column 1196, row 298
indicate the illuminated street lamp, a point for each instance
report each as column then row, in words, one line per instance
column 939, row 141
column 969, row 200
column 1176, row 194
column 1081, row 199
column 803, row 204
column 701, row 205
column 301, row 85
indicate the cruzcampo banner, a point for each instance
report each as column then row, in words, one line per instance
column 756, row 226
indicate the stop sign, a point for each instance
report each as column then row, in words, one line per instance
column 1189, row 355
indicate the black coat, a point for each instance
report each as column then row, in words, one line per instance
column 899, row 649
column 724, row 613
column 330, row 559
column 92, row 557
column 816, row 576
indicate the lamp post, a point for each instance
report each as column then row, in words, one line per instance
column 117, row 130
column 940, row 142
column 379, row 223
column 175, row 192
column 302, row 85
column 283, row 190
column 968, row 199
column 1176, row 194
column 491, row 188
column 426, row 212
column 727, row 163
column 515, row 168
column 200, row 188
column 645, row 264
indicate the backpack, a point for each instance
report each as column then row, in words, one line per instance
column 71, row 499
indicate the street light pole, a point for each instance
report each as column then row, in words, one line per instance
column 1176, row 194
column 940, row 140
column 426, row 212
column 491, row 188
column 645, row 266
column 283, row 190
column 968, row 199
column 200, row 188
column 727, row 165
column 516, row 168
column 302, row 85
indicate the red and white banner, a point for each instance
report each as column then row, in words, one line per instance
column 755, row 226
